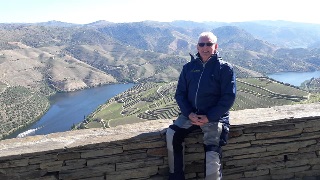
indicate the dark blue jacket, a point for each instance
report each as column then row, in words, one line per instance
column 207, row 88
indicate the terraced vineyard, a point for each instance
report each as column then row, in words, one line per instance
column 263, row 92
column 151, row 101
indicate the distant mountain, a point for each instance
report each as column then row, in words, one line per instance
column 56, row 24
column 283, row 34
column 100, row 23
column 140, row 51
column 232, row 38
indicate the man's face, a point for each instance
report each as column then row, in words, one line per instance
column 207, row 49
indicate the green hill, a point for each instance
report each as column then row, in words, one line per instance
column 312, row 85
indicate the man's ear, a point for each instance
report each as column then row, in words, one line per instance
column 215, row 48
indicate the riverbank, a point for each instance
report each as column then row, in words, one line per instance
column 69, row 108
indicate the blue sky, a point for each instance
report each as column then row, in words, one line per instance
column 87, row 11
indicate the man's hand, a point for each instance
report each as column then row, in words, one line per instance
column 198, row 120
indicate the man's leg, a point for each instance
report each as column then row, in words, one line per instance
column 213, row 163
column 175, row 143
column 212, row 135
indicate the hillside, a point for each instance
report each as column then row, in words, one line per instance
column 134, row 52
column 312, row 85
column 44, row 58
column 152, row 101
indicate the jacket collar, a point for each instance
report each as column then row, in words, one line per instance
column 213, row 56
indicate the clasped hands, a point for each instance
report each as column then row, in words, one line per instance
column 198, row 120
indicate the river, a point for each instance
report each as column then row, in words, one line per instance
column 294, row 78
column 71, row 108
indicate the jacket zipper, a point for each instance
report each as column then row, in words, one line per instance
column 196, row 96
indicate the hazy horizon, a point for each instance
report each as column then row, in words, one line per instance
column 120, row 11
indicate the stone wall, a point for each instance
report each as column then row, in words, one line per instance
column 272, row 143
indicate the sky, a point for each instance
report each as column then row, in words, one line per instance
column 88, row 11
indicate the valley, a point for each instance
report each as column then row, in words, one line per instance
column 39, row 60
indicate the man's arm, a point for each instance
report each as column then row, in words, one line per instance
column 228, row 94
column 181, row 94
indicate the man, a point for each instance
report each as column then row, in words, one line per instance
column 205, row 93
